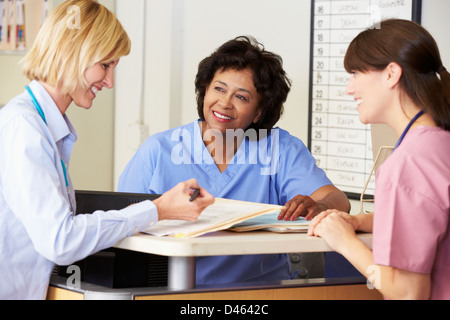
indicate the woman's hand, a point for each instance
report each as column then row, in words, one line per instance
column 337, row 228
column 300, row 206
column 175, row 205
column 352, row 220
column 326, row 197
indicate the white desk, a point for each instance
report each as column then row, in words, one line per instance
column 181, row 255
column 182, row 252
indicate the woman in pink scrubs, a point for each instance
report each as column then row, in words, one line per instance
column 398, row 79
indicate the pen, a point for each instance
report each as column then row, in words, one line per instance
column 194, row 195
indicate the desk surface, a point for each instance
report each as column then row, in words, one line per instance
column 234, row 243
column 229, row 243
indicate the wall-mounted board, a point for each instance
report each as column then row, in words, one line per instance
column 341, row 144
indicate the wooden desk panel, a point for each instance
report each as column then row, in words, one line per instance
column 349, row 292
column 338, row 292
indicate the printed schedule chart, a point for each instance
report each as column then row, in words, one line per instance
column 340, row 143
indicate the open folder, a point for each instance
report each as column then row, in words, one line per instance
column 270, row 222
column 221, row 215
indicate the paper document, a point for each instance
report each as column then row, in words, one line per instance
column 221, row 215
column 270, row 222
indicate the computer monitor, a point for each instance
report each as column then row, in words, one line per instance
column 382, row 136
column 90, row 201
column 114, row 267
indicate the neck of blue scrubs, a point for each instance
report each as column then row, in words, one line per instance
column 41, row 113
column 408, row 127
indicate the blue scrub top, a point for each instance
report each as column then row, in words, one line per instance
column 273, row 170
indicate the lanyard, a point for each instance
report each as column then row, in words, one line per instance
column 41, row 113
column 408, row 127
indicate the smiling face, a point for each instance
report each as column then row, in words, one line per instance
column 98, row 76
column 369, row 91
column 231, row 100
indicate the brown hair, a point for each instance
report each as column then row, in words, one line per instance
column 412, row 47
column 269, row 78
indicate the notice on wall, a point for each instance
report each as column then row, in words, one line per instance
column 340, row 143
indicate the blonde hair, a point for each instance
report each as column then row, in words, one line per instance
column 77, row 35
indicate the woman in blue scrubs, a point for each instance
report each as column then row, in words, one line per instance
column 235, row 152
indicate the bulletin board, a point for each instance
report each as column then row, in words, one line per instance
column 20, row 21
column 340, row 143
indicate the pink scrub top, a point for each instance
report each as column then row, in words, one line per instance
column 412, row 201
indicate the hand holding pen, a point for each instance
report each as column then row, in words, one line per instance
column 185, row 201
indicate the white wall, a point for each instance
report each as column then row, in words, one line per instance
column 436, row 19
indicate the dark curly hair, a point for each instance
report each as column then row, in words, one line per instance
column 269, row 78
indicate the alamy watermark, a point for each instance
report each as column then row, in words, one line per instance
column 257, row 150
column 374, row 278
column 74, row 280
column 74, row 21
column 375, row 17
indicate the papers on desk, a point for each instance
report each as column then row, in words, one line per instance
column 271, row 223
column 223, row 214
column 234, row 215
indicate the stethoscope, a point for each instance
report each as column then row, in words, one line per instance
column 41, row 113
column 408, row 127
